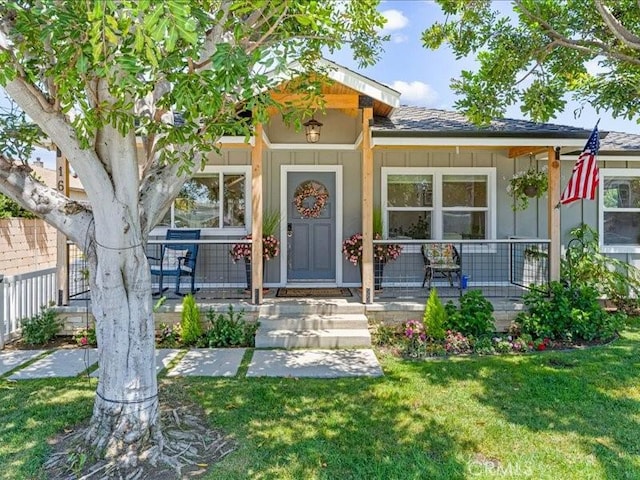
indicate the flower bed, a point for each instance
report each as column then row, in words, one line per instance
column 568, row 318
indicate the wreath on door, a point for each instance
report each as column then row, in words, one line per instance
column 307, row 190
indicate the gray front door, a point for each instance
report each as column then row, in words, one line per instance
column 311, row 230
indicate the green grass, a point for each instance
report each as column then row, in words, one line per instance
column 548, row 415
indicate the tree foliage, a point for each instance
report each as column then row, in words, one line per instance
column 541, row 51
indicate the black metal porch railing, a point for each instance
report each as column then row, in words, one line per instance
column 499, row 268
column 505, row 268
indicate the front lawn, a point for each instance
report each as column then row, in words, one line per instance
column 548, row 415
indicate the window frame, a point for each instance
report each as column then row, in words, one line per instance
column 437, row 174
column 220, row 171
column 614, row 172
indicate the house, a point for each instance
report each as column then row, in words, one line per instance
column 430, row 173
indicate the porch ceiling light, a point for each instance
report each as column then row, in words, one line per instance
column 312, row 130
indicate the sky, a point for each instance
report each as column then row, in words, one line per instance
column 423, row 76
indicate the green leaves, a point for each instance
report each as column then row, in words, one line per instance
column 101, row 57
column 538, row 56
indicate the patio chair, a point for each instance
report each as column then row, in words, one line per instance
column 440, row 259
column 177, row 259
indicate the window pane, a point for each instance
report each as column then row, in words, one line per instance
column 410, row 225
column 464, row 191
column 464, row 225
column 621, row 228
column 198, row 203
column 234, row 201
column 621, row 192
column 409, row 191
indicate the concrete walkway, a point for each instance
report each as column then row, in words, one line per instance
column 203, row 362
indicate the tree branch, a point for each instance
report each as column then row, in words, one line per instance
column 70, row 217
column 214, row 36
column 158, row 188
column 590, row 47
column 617, row 29
column 85, row 162
column 270, row 30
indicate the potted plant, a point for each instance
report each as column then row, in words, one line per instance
column 270, row 244
column 526, row 184
column 352, row 250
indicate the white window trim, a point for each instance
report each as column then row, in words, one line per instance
column 437, row 208
column 614, row 172
column 220, row 231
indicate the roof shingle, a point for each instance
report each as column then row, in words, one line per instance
column 419, row 121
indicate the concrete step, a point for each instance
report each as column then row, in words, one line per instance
column 313, row 322
column 311, row 306
column 329, row 338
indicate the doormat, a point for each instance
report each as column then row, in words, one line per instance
column 313, row 292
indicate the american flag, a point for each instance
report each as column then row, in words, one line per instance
column 584, row 178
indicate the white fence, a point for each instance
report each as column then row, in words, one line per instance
column 22, row 296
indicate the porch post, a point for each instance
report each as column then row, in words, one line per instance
column 367, row 206
column 256, row 217
column 553, row 167
column 62, row 252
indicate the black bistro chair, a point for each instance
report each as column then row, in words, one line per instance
column 441, row 259
column 177, row 259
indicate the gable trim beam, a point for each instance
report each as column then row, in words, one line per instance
column 326, row 101
column 520, row 151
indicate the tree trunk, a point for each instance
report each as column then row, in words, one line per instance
column 125, row 424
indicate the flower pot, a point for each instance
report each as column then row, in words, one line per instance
column 531, row 191
column 247, row 267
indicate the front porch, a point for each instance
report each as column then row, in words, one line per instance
column 503, row 270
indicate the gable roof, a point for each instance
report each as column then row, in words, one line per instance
column 365, row 85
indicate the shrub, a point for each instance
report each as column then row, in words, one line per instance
column 456, row 343
column 86, row 337
column 435, row 317
column 584, row 264
column 40, row 328
column 570, row 313
column 386, row 335
column 483, row 346
column 168, row 336
column 230, row 330
column 190, row 328
column 416, row 339
column 474, row 317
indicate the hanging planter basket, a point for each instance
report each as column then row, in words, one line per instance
column 527, row 184
column 531, row 191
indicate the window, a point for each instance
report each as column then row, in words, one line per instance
column 620, row 212
column 447, row 203
column 214, row 199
